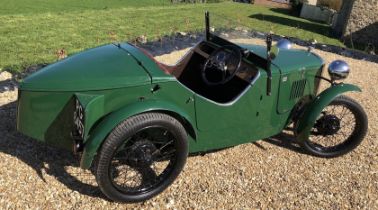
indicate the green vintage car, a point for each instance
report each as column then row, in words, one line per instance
column 134, row 120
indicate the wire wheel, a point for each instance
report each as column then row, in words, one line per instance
column 339, row 128
column 141, row 157
column 144, row 161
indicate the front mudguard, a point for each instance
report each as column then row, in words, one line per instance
column 312, row 110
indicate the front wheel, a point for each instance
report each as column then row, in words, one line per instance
column 141, row 157
column 341, row 127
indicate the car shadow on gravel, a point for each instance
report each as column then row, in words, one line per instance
column 287, row 141
column 43, row 158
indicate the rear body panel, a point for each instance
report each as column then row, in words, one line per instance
column 104, row 67
column 48, row 116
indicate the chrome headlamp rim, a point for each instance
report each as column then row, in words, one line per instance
column 284, row 44
column 338, row 70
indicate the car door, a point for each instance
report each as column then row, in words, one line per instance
column 213, row 116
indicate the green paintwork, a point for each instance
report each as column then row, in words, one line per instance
column 104, row 67
column 94, row 109
column 110, row 122
column 48, row 116
column 313, row 110
column 166, row 100
column 115, row 82
column 291, row 64
column 289, row 60
column 44, row 116
column 154, row 71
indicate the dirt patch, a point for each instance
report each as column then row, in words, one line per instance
column 272, row 173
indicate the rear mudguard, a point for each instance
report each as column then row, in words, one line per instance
column 101, row 131
column 313, row 109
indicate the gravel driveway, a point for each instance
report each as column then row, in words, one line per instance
column 272, row 173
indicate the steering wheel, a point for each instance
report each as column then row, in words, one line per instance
column 222, row 65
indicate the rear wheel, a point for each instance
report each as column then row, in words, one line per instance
column 141, row 157
column 341, row 127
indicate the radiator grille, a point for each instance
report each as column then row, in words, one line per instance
column 297, row 89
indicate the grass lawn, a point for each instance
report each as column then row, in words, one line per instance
column 31, row 32
column 11, row 7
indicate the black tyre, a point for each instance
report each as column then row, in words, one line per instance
column 141, row 157
column 340, row 128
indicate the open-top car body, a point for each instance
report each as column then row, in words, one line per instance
column 136, row 120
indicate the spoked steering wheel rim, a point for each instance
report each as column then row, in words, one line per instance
column 223, row 65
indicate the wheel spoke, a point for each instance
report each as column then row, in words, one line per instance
column 333, row 109
column 224, row 75
column 148, row 174
column 343, row 112
column 165, row 145
column 345, row 136
column 166, row 155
